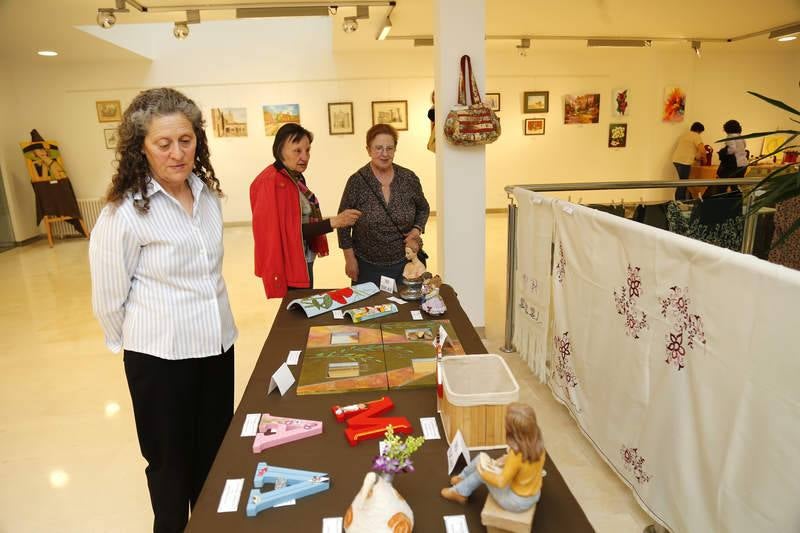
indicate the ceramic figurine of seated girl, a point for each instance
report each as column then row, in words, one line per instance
column 432, row 303
column 414, row 269
column 515, row 480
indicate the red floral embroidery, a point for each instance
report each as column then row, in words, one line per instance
column 634, row 462
column 563, row 365
column 635, row 320
column 685, row 326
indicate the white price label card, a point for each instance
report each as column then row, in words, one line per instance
column 294, row 357
column 416, row 314
column 382, row 445
column 282, row 379
column 250, row 427
column 396, row 300
column 458, row 448
column 338, row 314
column 229, row 501
column 430, row 430
column 388, row 284
column 332, row 524
column 442, row 335
column 456, row 523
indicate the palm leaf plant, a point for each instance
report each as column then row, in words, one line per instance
column 783, row 183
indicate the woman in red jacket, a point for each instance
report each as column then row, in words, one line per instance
column 288, row 228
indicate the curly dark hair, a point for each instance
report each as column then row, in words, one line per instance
column 133, row 171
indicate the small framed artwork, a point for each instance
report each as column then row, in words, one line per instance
column 392, row 112
column 229, row 121
column 534, row 126
column 340, row 118
column 493, row 101
column 109, row 111
column 276, row 115
column 617, row 135
column 536, row 102
column 112, row 138
column 581, row 109
column 620, row 98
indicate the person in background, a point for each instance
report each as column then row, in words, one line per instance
column 733, row 156
column 288, row 228
column 394, row 212
column 157, row 290
column 690, row 148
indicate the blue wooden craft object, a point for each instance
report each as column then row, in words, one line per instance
column 299, row 483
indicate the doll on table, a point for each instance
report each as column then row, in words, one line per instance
column 432, row 303
column 414, row 269
column 514, row 480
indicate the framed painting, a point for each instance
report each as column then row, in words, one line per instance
column 617, row 135
column 109, row 111
column 582, row 109
column 536, row 102
column 276, row 116
column 674, row 104
column 229, row 121
column 493, row 101
column 340, row 118
column 534, row 126
column 620, row 98
column 112, row 138
column 392, row 112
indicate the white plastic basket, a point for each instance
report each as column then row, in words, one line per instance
column 480, row 379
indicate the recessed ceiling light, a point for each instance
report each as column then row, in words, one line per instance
column 787, row 38
column 47, row 53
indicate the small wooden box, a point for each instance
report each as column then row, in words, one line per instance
column 477, row 391
column 498, row 520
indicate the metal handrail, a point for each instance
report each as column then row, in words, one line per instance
column 748, row 234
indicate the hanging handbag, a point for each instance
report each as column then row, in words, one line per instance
column 470, row 124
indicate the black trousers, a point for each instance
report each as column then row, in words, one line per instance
column 182, row 410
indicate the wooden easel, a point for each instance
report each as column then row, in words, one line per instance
column 42, row 166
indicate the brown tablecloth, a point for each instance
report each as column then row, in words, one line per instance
column 557, row 512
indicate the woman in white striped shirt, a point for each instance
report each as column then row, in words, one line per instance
column 157, row 291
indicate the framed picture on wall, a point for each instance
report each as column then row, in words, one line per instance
column 109, row 111
column 276, row 115
column 493, row 101
column 534, row 126
column 229, row 121
column 392, row 112
column 340, row 118
column 581, row 108
column 112, row 138
column 536, row 102
column 617, row 135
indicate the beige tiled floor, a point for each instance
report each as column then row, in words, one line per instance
column 69, row 460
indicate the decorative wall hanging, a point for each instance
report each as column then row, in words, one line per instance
column 229, row 121
column 534, row 126
column 620, row 98
column 276, row 116
column 617, row 135
column 674, row 104
column 109, row 111
column 536, row 102
column 582, row 109
column 392, row 112
column 340, row 118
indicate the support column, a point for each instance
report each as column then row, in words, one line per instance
column 460, row 171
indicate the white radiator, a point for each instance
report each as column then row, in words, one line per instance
column 90, row 210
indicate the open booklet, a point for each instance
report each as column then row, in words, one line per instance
column 328, row 301
column 360, row 314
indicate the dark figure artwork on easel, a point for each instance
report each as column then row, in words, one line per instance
column 55, row 199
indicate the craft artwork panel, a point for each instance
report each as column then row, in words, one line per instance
column 410, row 354
column 674, row 104
column 276, row 116
column 582, row 109
column 342, row 368
column 321, row 336
column 328, row 301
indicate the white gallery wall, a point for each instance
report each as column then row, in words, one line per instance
column 298, row 65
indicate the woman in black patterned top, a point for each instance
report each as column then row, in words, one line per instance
column 393, row 208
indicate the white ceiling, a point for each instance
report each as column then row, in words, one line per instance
column 30, row 25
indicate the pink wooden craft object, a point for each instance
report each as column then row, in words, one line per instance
column 277, row 430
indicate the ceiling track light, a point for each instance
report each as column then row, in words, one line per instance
column 624, row 43
column 696, row 47
column 387, row 25
column 106, row 16
column 332, row 10
column 523, row 47
column 787, row 33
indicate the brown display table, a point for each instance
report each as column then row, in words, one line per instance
column 557, row 511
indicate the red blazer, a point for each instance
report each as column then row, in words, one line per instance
column 277, row 232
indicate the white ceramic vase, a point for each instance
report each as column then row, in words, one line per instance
column 378, row 508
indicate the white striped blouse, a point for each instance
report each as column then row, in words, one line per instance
column 157, row 284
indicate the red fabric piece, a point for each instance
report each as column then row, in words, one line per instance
column 277, row 233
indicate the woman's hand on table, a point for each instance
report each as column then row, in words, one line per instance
column 345, row 219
